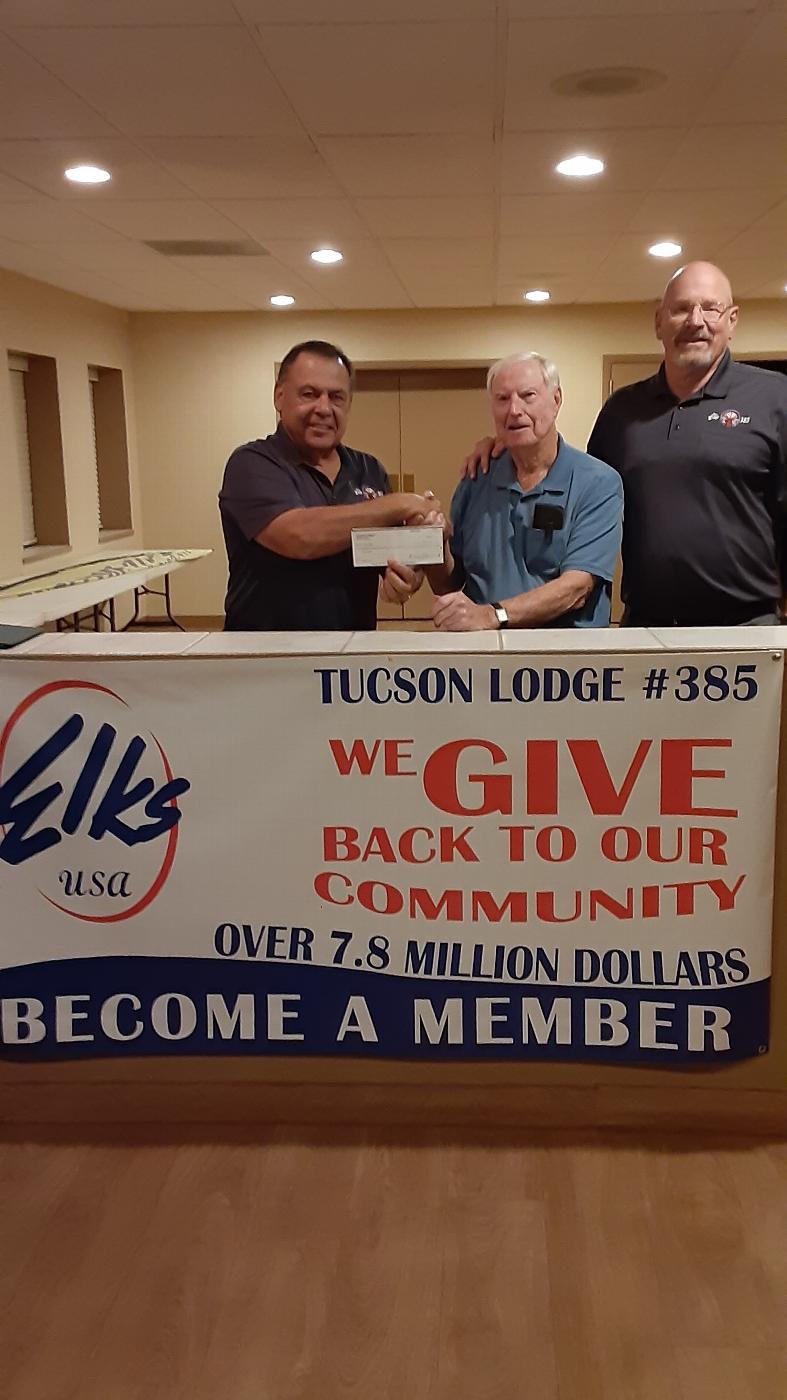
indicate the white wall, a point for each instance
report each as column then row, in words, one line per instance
column 41, row 320
column 204, row 385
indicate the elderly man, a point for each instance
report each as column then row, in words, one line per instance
column 535, row 541
column 702, row 450
column 289, row 502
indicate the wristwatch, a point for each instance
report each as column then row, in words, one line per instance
column 500, row 614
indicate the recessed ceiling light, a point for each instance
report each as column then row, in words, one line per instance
column 537, row 294
column 326, row 255
column 579, row 167
column 87, row 175
column 282, row 299
column 668, row 249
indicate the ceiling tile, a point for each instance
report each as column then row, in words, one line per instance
column 361, row 12
column 537, row 215
column 47, row 221
column 14, row 189
column 751, row 276
column 205, row 80
column 322, row 221
column 629, row 273
column 446, row 271
column 408, row 166
column 544, row 9
column 633, row 159
column 255, row 280
column 756, row 243
column 364, row 280
column 163, row 218
column 738, row 157
column 698, row 211
column 442, row 217
column 134, row 175
column 400, row 78
column 773, row 286
column 245, row 167
column 775, row 218
column 536, row 258
column 92, row 13
column 756, row 82
column 632, row 286
column 150, row 274
column 563, row 288
column 613, row 42
column 34, row 103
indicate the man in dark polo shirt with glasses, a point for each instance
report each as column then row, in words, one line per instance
column 289, row 502
column 702, row 450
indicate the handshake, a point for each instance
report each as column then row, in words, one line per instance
column 411, row 509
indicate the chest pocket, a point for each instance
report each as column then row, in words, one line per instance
column 542, row 550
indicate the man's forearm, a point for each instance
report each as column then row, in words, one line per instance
column 549, row 600
column 313, row 532
column 445, row 577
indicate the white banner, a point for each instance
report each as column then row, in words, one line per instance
column 499, row 857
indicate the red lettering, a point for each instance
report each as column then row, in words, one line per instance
column 322, row 887
column 340, row 843
column 394, row 757
column 678, row 774
column 591, row 766
column 450, row 903
column 379, row 844
column 358, row 757
column 541, row 777
column 440, row 780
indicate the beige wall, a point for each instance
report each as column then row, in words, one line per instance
column 203, row 385
column 41, row 320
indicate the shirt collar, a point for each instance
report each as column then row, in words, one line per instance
column 292, row 455
column 555, row 483
column 717, row 386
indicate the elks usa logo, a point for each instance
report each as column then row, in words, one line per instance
column 730, row 418
column 88, row 803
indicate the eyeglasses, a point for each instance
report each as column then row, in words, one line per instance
column 710, row 311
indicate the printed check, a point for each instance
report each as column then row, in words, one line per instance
column 406, row 544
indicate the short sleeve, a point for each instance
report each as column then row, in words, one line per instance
column 255, row 491
column 596, row 529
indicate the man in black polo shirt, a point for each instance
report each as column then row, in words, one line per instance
column 289, row 501
column 702, row 450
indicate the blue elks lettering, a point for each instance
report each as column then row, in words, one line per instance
column 18, row 814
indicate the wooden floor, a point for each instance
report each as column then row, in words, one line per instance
column 306, row 1268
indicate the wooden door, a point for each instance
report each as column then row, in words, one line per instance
column 421, row 424
column 443, row 412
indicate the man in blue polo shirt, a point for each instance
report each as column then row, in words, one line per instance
column 534, row 541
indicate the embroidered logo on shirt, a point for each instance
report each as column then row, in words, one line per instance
column 730, row 418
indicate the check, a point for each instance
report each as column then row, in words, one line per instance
column 406, row 544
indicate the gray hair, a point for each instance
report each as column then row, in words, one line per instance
column 548, row 368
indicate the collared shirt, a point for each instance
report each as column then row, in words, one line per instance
column 502, row 553
column 704, row 486
column 268, row 592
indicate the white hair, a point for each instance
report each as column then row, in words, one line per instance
column 548, row 368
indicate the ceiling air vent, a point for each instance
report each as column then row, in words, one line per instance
column 207, row 248
column 608, row 82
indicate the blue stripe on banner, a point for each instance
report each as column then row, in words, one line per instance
column 191, row 1006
